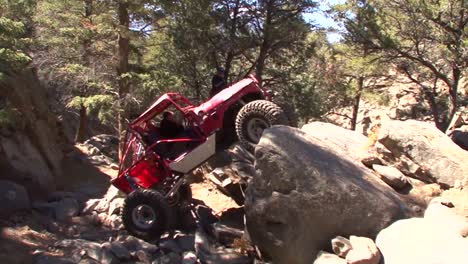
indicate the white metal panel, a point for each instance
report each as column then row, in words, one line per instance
column 191, row 160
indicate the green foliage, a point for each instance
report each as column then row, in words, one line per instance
column 176, row 46
column 382, row 99
column 12, row 45
column 426, row 40
column 100, row 105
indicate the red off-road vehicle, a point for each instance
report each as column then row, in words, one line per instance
column 153, row 167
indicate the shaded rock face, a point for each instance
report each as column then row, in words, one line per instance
column 34, row 149
column 424, row 144
column 307, row 191
column 460, row 136
column 22, row 156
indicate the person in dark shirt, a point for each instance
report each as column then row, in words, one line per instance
column 218, row 82
column 168, row 127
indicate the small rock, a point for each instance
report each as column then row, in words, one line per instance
column 341, row 246
column 364, row 251
column 391, row 176
column 171, row 258
column 328, row 258
column 371, row 161
column 185, row 242
column 460, row 137
column 104, row 203
column 189, row 258
column 86, row 220
column 143, row 256
column 13, row 197
column 120, row 251
column 102, row 217
column 170, row 245
column 116, row 205
column 66, row 209
column 134, row 244
column 103, row 255
column 90, row 206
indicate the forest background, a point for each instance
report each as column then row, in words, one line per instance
column 107, row 60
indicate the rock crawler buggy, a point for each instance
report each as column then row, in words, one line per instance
column 152, row 169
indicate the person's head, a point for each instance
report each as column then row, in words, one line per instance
column 220, row 71
column 168, row 115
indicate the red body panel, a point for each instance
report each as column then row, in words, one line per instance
column 144, row 173
column 213, row 110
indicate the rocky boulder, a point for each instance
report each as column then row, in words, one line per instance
column 436, row 238
column 424, row 144
column 391, row 176
column 460, row 136
column 308, row 189
column 106, row 144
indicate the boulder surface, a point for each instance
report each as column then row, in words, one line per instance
column 428, row 147
column 307, row 190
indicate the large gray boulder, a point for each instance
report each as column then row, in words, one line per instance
column 428, row 147
column 307, row 191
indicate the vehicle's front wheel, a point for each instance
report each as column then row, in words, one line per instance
column 255, row 117
column 146, row 214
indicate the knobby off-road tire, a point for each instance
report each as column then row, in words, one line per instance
column 146, row 214
column 255, row 117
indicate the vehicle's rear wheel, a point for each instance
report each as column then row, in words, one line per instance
column 146, row 214
column 255, row 117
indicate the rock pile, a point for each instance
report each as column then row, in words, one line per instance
column 90, row 231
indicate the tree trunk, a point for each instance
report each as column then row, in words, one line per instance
column 82, row 126
column 357, row 101
column 453, row 94
column 430, row 97
column 80, row 136
column 123, row 68
column 232, row 36
column 265, row 47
